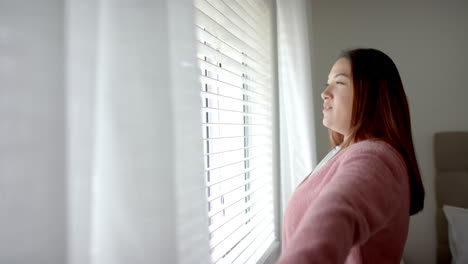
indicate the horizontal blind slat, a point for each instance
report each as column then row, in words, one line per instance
column 260, row 15
column 224, row 86
column 225, row 201
column 264, row 154
column 239, row 239
column 222, row 146
column 237, row 149
column 240, row 101
column 221, row 124
column 235, row 18
column 244, row 244
column 252, row 20
column 257, row 192
column 257, row 204
column 228, row 76
column 206, row 22
column 241, row 214
column 266, row 125
column 261, row 247
column 221, row 218
column 232, row 26
column 258, row 180
column 263, row 157
column 233, row 113
column 258, row 7
column 219, row 240
column 246, row 136
column 219, row 175
column 230, row 190
column 211, row 109
column 234, row 65
column 264, row 239
column 227, row 48
column 214, row 212
column 227, row 178
column 211, row 101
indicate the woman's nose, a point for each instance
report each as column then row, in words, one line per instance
column 325, row 94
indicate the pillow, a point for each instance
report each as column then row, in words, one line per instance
column 457, row 219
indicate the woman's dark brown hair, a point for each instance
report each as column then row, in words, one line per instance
column 380, row 111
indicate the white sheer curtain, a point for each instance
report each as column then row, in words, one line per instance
column 297, row 129
column 135, row 168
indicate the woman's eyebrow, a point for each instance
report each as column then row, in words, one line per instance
column 342, row 74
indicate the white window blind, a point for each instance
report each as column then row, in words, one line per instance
column 234, row 55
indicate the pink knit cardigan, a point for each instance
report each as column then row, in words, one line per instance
column 355, row 209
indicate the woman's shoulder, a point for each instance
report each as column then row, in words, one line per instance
column 376, row 148
column 372, row 145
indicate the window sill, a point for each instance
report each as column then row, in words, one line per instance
column 272, row 254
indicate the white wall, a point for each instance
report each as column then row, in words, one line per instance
column 32, row 137
column 428, row 42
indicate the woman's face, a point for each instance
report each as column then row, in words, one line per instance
column 338, row 98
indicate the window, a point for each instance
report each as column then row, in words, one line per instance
column 234, row 55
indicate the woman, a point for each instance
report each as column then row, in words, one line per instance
column 355, row 206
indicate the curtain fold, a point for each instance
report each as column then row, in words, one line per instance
column 189, row 177
column 80, row 61
column 297, row 124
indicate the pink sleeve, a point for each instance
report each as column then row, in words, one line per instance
column 364, row 194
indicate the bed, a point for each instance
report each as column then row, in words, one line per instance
column 451, row 181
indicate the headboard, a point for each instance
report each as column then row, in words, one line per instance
column 451, row 182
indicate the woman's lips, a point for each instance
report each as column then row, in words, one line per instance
column 326, row 108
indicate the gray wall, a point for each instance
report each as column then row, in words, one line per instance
column 427, row 40
column 32, row 141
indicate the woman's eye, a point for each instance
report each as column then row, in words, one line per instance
column 342, row 83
